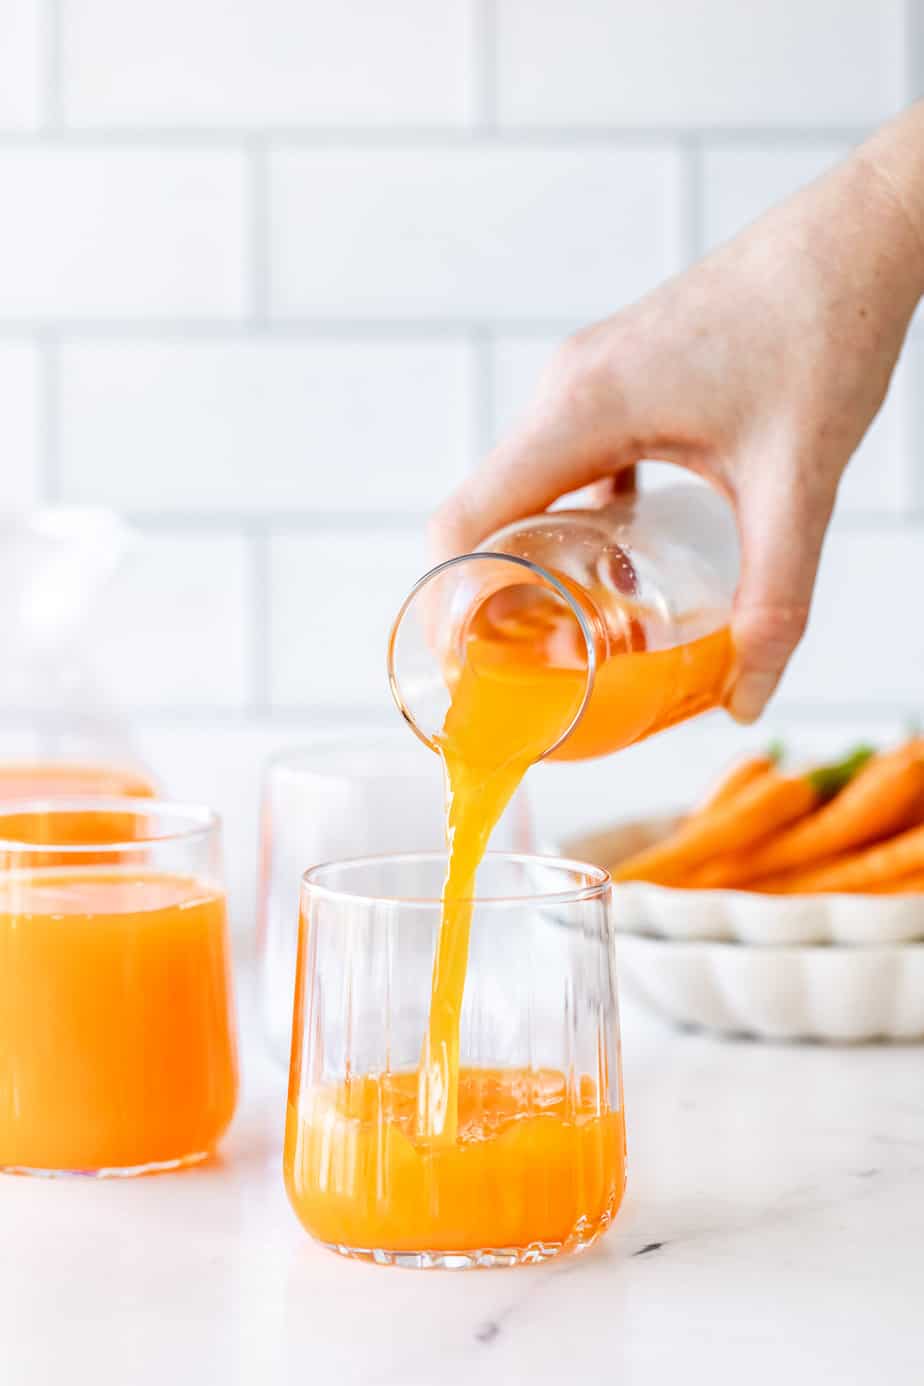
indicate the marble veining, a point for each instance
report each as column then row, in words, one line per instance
column 773, row 1230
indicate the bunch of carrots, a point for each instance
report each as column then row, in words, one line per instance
column 856, row 826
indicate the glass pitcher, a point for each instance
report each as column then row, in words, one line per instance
column 66, row 736
column 625, row 608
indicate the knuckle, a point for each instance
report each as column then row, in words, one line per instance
column 768, row 633
column 442, row 527
column 582, row 373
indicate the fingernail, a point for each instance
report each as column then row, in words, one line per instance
column 749, row 696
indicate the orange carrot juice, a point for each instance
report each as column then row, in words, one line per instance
column 531, row 1164
column 116, row 1039
column 57, row 780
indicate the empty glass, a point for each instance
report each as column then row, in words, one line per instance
column 537, row 1163
column 117, row 1052
column 364, row 791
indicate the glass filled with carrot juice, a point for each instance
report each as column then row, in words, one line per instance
column 527, row 1159
column 117, row 1048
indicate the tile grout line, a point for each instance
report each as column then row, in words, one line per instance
column 484, row 64
column 259, row 652
column 253, row 524
column 912, row 431
column 181, row 330
column 51, row 63
column 365, row 139
column 913, row 34
column 259, row 224
column 694, row 192
column 401, row 521
column 484, row 402
column 49, row 408
column 243, row 717
column 911, row 435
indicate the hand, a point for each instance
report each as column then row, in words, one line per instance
column 760, row 369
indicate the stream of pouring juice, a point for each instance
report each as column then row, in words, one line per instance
column 116, row 1030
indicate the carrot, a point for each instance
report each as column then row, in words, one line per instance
column 908, row 885
column 880, row 800
column 771, row 802
column 741, row 774
column 870, row 869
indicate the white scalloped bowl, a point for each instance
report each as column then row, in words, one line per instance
column 740, row 916
column 835, row 994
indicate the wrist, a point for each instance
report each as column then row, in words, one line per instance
column 891, row 167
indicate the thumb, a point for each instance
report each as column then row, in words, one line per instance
column 782, row 519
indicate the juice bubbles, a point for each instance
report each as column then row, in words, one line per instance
column 547, row 1174
column 117, row 1049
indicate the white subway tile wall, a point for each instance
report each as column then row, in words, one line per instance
column 332, row 598
column 176, row 629
column 122, row 233
column 470, row 233
column 253, row 64
column 20, row 64
column 274, row 275
column 266, row 425
column 664, row 62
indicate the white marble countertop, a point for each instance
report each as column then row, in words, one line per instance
column 773, row 1232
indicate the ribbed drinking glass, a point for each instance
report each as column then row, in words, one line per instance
column 535, row 1165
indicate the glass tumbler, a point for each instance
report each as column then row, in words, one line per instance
column 363, row 791
column 117, row 1051
column 536, row 1166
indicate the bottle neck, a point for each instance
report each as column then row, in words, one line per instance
column 492, row 612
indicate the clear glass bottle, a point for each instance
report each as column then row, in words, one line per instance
column 66, row 736
column 631, row 603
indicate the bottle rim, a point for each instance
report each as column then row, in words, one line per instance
column 546, row 577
